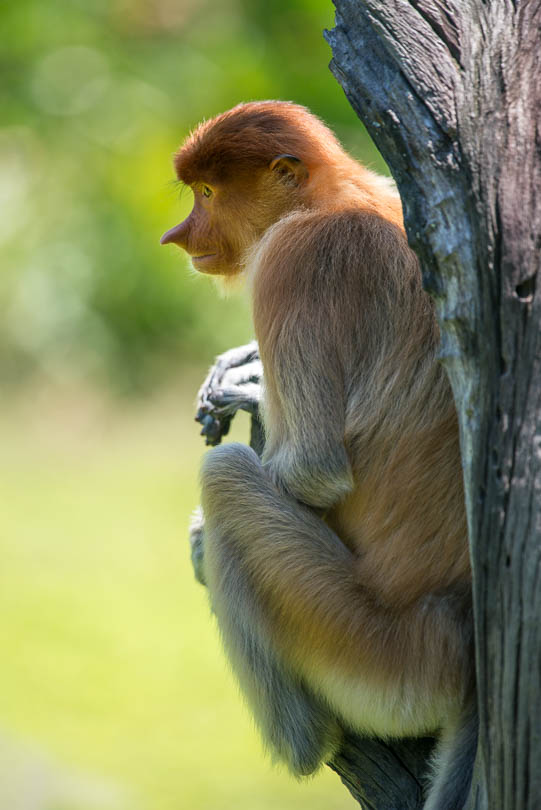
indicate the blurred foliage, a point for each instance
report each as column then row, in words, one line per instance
column 95, row 95
column 110, row 663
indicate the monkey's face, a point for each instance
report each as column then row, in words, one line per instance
column 204, row 235
column 228, row 218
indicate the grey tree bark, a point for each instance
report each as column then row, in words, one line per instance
column 450, row 91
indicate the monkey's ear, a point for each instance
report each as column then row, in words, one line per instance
column 290, row 169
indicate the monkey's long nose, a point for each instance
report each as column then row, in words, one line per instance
column 174, row 235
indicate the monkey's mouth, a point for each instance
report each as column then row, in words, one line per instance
column 206, row 257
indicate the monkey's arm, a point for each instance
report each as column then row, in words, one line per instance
column 335, row 295
column 303, row 407
column 232, row 384
column 297, row 317
column 305, row 452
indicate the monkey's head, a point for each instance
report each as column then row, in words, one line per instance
column 247, row 168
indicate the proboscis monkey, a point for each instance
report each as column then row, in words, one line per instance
column 338, row 565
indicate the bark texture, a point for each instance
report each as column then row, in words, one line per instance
column 384, row 776
column 451, row 94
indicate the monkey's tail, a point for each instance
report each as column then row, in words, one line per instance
column 454, row 761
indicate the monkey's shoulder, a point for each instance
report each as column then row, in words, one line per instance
column 332, row 237
column 312, row 258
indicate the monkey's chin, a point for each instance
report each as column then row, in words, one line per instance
column 212, row 265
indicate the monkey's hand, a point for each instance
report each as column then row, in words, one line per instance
column 233, row 383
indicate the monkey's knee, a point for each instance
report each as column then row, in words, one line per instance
column 230, row 460
column 229, row 472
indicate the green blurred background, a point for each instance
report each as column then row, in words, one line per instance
column 113, row 691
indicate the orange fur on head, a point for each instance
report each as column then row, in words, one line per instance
column 230, row 158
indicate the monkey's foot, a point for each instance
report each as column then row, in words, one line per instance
column 232, row 384
column 197, row 526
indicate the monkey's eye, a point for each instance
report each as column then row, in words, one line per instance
column 207, row 191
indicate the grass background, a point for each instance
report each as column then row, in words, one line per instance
column 113, row 689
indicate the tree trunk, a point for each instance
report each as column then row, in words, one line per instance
column 384, row 776
column 451, row 93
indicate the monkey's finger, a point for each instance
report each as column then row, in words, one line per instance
column 213, row 428
column 229, row 400
column 242, row 375
column 241, row 356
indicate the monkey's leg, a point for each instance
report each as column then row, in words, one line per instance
column 197, row 544
column 232, row 384
column 296, row 725
column 283, row 583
